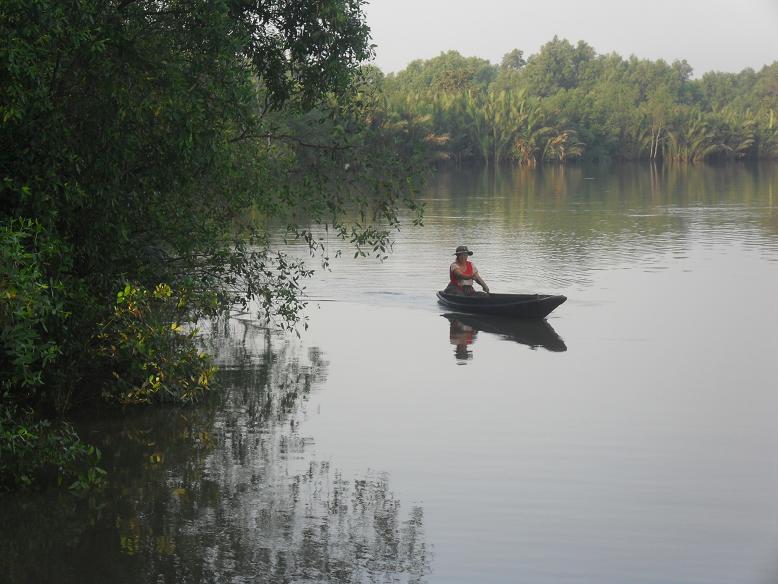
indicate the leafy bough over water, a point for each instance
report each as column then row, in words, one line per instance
column 150, row 144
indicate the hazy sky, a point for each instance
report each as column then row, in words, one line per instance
column 722, row 35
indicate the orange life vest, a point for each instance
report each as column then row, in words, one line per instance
column 466, row 271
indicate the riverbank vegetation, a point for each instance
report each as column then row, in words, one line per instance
column 567, row 102
column 145, row 146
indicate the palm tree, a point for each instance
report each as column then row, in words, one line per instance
column 561, row 146
column 692, row 139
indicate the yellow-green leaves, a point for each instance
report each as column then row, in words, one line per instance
column 155, row 357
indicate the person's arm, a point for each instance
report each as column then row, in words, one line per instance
column 477, row 278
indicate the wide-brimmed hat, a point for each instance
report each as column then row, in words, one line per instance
column 463, row 249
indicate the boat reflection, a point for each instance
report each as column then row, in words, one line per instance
column 533, row 333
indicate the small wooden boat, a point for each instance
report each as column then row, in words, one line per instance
column 517, row 305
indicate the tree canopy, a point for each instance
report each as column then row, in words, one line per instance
column 568, row 102
column 146, row 146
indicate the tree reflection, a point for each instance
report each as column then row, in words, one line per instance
column 546, row 200
column 226, row 492
column 555, row 225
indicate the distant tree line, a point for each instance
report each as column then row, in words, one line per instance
column 568, row 102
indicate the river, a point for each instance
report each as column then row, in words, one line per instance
column 632, row 437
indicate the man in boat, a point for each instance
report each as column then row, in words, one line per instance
column 462, row 273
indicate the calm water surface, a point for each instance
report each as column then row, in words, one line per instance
column 633, row 437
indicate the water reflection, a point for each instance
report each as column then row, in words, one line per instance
column 462, row 336
column 229, row 491
column 555, row 229
column 464, row 329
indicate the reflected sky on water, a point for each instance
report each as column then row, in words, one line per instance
column 647, row 450
column 228, row 491
column 631, row 437
column 565, row 229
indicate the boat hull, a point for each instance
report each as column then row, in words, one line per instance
column 514, row 305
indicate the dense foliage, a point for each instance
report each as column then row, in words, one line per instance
column 145, row 147
column 568, row 102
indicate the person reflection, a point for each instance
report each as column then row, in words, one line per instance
column 534, row 333
column 462, row 336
